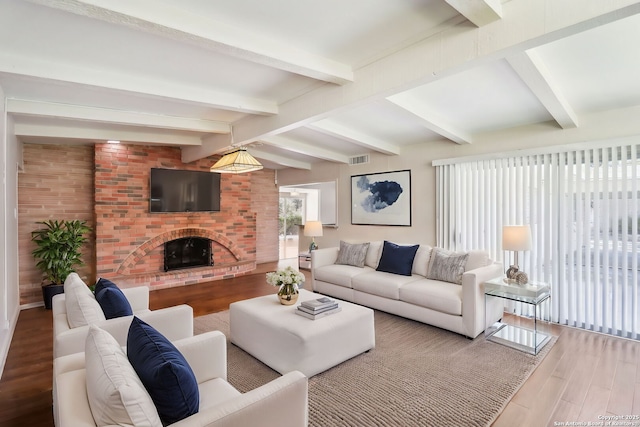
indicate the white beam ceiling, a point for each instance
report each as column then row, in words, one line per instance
column 429, row 118
column 332, row 128
column 303, row 148
column 175, row 23
column 104, row 115
column 278, row 159
column 131, row 83
column 480, row 12
column 95, row 134
column 532, row 71
column 457, row 49
column 210, row 145
column 128, row 102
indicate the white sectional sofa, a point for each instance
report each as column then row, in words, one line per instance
column 419, row 293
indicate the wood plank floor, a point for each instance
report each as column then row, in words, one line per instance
column 584, row 376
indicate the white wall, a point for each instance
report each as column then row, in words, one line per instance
column 9, row 292
column 422, row 192
column 418, row 159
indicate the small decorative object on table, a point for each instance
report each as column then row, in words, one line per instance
column 288, row 280
column 521, row 278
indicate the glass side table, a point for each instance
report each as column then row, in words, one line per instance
column 304, row 260
column 523, row 339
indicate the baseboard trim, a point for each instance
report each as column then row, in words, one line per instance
column 6, row 335
column 32, row 305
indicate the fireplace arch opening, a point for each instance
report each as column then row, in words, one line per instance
column 187, row 252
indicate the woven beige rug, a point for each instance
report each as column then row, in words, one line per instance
column 417, row 375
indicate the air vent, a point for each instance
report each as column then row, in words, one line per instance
column 359, row 160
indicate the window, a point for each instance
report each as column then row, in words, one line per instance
column 583, row 209
column 320, row 201
column 290, row 214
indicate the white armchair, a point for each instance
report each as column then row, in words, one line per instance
column 220, row 403
column 173, row 322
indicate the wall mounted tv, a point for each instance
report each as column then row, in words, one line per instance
column 175, row 190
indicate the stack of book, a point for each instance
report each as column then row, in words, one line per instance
column 317, row 308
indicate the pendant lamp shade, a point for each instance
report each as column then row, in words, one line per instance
column 237, row 161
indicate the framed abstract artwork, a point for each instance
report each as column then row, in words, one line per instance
column 381, row 198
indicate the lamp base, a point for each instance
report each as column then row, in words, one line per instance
column 313, row 246
column 512, row 271
column 514, row 275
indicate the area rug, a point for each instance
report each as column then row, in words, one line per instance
column 417, row 375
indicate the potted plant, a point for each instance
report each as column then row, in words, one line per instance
column 58, row 252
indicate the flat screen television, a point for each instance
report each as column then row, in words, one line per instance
column 176, row 190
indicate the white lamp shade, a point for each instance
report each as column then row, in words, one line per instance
column 516, row 238
column 313, row 229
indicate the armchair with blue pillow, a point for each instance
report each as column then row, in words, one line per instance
column 111, row 309
column 158, row 382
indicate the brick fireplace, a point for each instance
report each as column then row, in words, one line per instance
column 130, row 240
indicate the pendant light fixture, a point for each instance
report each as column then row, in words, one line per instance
column 238, row 160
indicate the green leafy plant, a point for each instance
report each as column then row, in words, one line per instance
column 58, row 251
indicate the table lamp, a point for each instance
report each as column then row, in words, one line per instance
column 313, row 229
column 516, row 238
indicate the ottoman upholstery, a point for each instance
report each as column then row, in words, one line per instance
column 284, row 341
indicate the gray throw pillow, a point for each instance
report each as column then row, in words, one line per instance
column 352, row 254
column 447, row 266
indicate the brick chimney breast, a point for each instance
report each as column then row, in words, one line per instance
column 130, row 239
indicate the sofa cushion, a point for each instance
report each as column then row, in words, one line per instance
column 82, row 307
column 338, row 274
column 373, row 254
column 383, row 284
column 111, row 299
column 164, row 372
column 421, row 261
column 477, row 259
column 116, row 394
column 352, row 254
column 397, row 259
column 441, row 296
column 447, row 266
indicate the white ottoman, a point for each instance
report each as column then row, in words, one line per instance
column 274, row 334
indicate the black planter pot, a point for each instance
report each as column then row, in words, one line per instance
column 49, row 291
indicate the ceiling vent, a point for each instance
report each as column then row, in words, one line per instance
column 359, row 160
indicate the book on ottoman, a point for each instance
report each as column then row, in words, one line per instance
column 317, row 315
column 319, row 304
column 319, row 310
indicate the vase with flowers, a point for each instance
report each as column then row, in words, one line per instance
column 288, row 280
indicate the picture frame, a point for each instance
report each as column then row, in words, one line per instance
column 382, row 198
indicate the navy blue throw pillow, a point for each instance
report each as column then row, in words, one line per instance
column 164, row 372
column 112, row 300
column 104, row 283
column 397, row 259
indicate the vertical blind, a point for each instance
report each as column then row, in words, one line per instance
column 583, row 209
